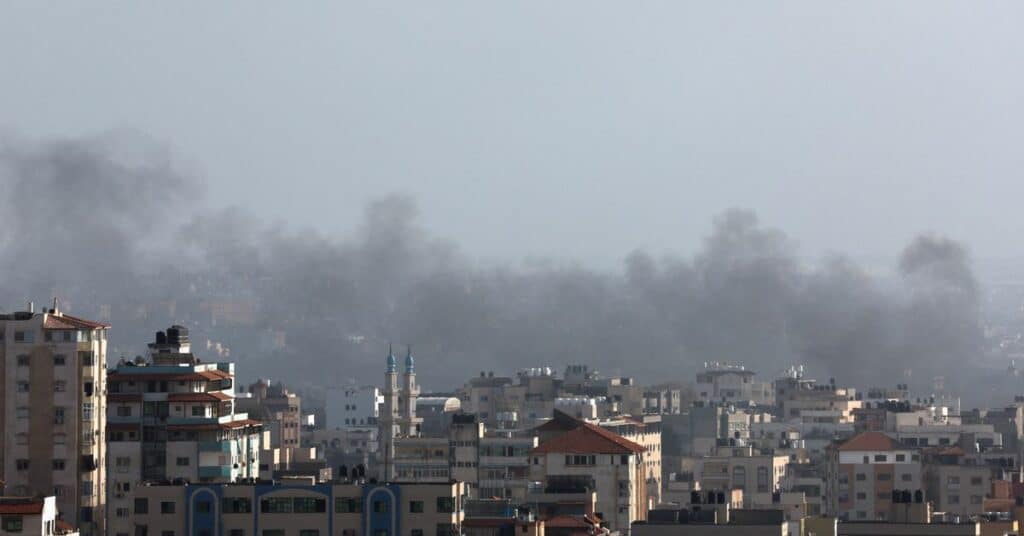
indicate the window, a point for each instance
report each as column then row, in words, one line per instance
column 236, row 505
column 21, row 412
column 416, row 532
column 276, row 505
column 166, row 533
column 166, row 507
column 87, row 488
column 87, row 411
column 901, row 457
column 203, row 507
column 739, row 477
column 445, row 529
column 906, row 477
column 12, row 523
column 237, row 532
column 953, row 480
column 445, row 505
column 976, row 480
column 580, row 459
column 59, row 360
column 182, row 461
column 85, row 358
column 380, row 507
column 22, row 387
column 881, row 458
column 198, row 411
column 60, row 386
column 348, row 505
column 23, row 360
column 273, row 532
column 309, row 532
column 141, row 506
column 884, row 477
column 416, row 507
column 763, row 484
column 124, row 411
column 861, row 477
column 21, row 464
column 24, row 336
column 58, row 464
column 58, row 415
column 861, row 496
column 309, row 505
column 954, row 499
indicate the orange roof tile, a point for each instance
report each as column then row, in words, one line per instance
column 869, row 441
column 17, row 505
column 589, row 439
column 66, row 321
column 212, row 396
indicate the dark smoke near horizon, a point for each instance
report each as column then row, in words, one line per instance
column 86, row 222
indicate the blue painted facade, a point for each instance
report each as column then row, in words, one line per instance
column 381, row 514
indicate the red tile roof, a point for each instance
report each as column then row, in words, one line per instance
column 66, row 321
column 212, row 396
column 214, row 426
column 170, row 376
column 869, row 441
column 566, row 522
column 18, row 505
column 589, row 439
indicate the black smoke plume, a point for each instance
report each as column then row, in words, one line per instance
column 130, row 239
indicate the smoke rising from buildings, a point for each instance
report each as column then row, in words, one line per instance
column 123, row 234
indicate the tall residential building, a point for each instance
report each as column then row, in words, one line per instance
column 53, row 380
column 864, row 472
column 588, row 457
column 173, row 419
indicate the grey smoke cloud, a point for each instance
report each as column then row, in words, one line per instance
column 134, row 234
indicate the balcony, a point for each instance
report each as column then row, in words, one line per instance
column 217, row 471
column 215, row 446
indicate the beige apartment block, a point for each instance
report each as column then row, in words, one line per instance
column 51, row 419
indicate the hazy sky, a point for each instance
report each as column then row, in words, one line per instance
column 571, row 129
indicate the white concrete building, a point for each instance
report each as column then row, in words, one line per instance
column 353, row 407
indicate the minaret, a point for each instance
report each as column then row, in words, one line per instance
column 410, row 391
column 388, row 428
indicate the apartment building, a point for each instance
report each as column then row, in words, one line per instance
column 277, row 408
column 51, row 419
column 31, row 515
column 173, row 418
column 955, row 482
column 354, row 407
column 300, row 507
column 610, row 464
column 757, row 475
column 723, row 383
column 866, row 473
column 491, row 465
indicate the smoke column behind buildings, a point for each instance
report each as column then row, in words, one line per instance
column 114, row 221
